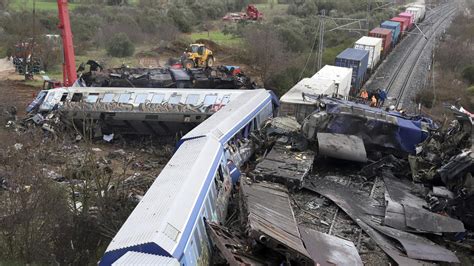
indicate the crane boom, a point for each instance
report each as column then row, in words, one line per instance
column 69, row 63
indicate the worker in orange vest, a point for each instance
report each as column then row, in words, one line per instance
column 364, row 95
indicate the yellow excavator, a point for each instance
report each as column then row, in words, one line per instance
column 197, row 55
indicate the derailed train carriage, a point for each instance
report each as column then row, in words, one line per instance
column 168, row 226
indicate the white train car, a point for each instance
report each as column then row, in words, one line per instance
column 168, row 226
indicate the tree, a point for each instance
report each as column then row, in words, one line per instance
column 265, row 50
column 4, row 4
column 120, row 46
column 468, row 74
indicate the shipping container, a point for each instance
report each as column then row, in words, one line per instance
column 342, row 77
column 422, row 9
column 395, row 28
column 410, row 17
column 416, row 13
column 294, row 103
column 374, row 46
column 358, row 61
column 403, row 23
column 386, row 36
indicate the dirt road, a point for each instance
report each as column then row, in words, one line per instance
column 7, row 70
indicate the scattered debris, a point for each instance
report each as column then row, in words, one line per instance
column 270, row 220
column 328, row 250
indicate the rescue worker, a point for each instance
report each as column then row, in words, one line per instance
column 382, row 97
column 364, row 95
column 373, row 101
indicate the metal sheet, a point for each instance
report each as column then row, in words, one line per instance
column 270, row 219
column 233, row 250
column 401, row 192
column 329, row 250
column 340, row 146
column 284, row 166
column 361, row 207
column 425, row 220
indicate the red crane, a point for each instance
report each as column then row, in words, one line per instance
column 69, row 63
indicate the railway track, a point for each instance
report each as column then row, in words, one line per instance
column 415, row 54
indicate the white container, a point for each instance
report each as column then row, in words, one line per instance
column 416, row 13
column 340, row 75
column 422, row 10
column 294, row 104
column 374, row 46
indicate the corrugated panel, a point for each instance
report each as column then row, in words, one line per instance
column 341, row 75
column 371, row 41
column 142, row 259
column 229, row 117
column 161, row 215
column 352, row 54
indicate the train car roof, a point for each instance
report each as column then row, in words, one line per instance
column 143, row 259
column 308, row 86
column 150, row 90
column 159, row 223
column 233, row 116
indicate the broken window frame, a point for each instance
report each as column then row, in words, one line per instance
column 140, row 98
column 77, row 97
column 92, row 98
column 64, row 97
column 175, row 99
column 106, row 96
column 122, row 96
column 192, row 99
column 210, row 99
column 156, row 97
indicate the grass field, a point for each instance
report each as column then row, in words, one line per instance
column 217, row 37
column 40, row 5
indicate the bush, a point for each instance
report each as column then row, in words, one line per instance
column 120, row 46
column 425, row 97
column 470, row 90
column 468, row 74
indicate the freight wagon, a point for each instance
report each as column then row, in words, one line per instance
column 386, row 36
column 340, row 75
column 358, row 61
column 394, row 27
column 404, row 22
column 410, row 17
column 374, row 46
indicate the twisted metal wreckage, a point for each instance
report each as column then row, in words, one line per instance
column 426, row 174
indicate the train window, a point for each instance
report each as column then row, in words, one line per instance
column 225, row 99
column 210, row 100
column 76, row 97
column 141, row 98
column 124, row 98
column 197, row 238
column 192, row 99
column 64, row 97
column 108, row 97
column 157, row 98
column 174, row 99
column 92, row 97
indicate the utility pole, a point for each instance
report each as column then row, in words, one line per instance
column 322, row 18
column 368, row 16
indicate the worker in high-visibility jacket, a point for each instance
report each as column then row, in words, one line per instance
column 364, row 95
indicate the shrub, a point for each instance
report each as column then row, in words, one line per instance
column 468, row 74
column 120, row 46
column 470, row 90
column 425, row 97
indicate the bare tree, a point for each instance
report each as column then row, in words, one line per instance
column 265, row 50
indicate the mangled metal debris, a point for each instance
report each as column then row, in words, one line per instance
column 270, row 220
column 380, row 130
column 286, row 166
column 345, row 147
column 362, row 208
column 163, row 77
column 328, row 250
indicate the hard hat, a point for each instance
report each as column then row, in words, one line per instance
column 391, row 107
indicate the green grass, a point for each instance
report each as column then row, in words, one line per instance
column 270, row 12
column 217, row 37
column 40, row 5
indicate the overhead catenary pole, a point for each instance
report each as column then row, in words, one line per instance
column 321, row 38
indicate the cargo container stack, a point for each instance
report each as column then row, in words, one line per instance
column 374, row 46
column 358, row 61
column 386, row 36
column 422, row 11
column 404, row 22
column 395, row 28
column 410, row 18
